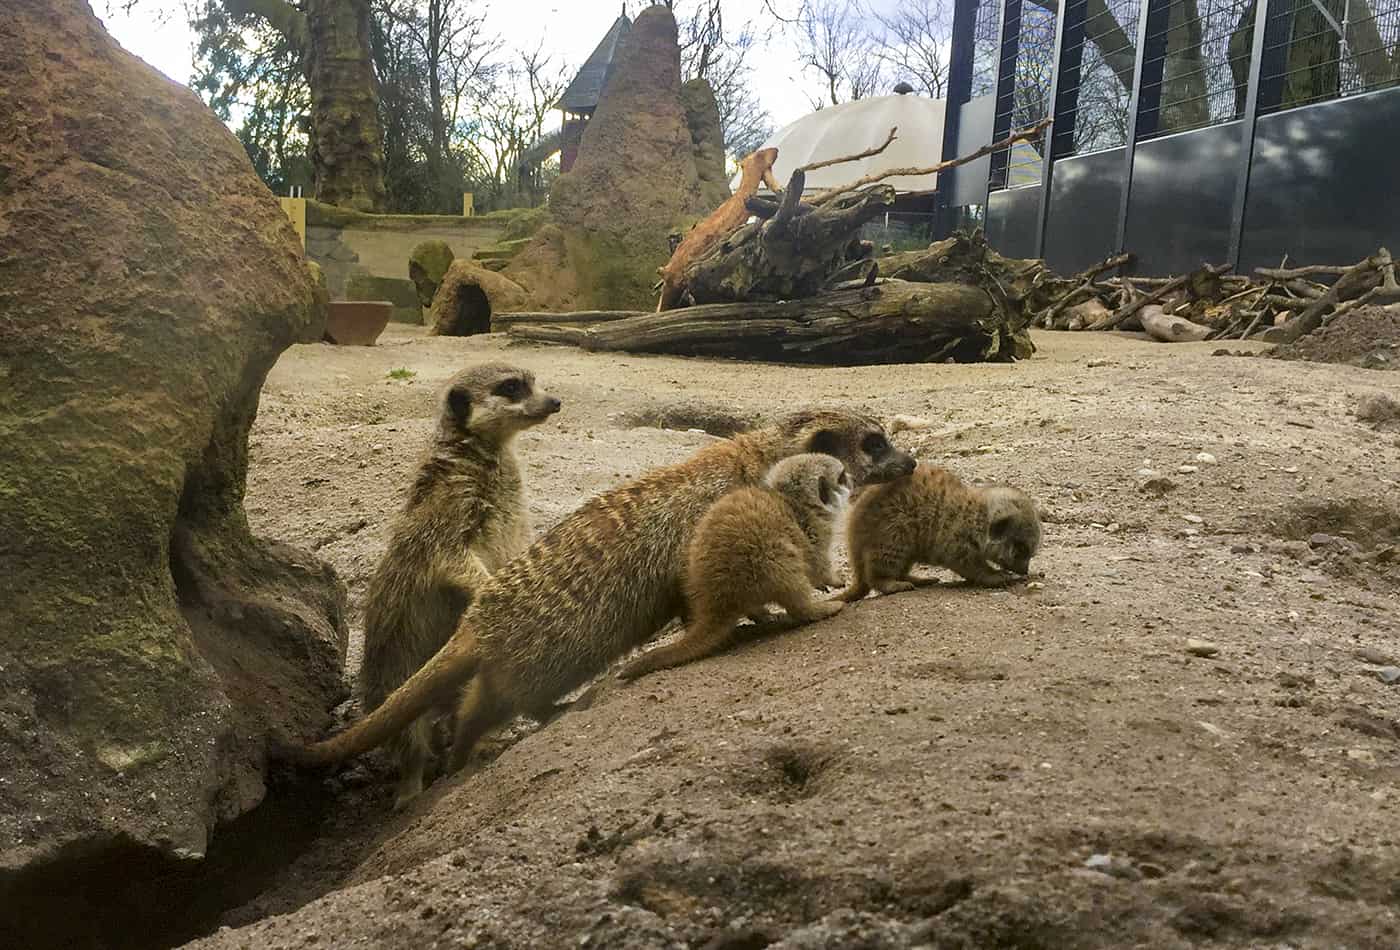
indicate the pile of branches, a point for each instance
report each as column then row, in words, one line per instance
column 1274, row 304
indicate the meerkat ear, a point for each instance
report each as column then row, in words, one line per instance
column 459, row 403
column 825, row 442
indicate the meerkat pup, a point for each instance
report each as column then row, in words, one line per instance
column 769, row 543
column 596, row 586
column 465, row 517
column 987, row 534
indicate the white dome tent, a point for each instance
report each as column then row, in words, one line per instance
column 855, row 126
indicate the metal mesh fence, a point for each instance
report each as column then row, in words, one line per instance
column 1031, row 58
column 986, row 28
column 1103, row 82
column 1317, row 50
column 1196, row 64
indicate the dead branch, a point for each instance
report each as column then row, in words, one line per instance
column 868, row 153
column 1127, row 310
column 1356, row 280
column 1026, row 133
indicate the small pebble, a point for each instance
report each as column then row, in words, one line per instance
column 1374, row 656
column 1194, row 519
column 1320, row 540
column 1188, row 469
column 1201, row 648
column 1035, row 585
column 1205, row 458
column 1389, row 674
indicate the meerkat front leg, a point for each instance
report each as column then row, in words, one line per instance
column 984, row 575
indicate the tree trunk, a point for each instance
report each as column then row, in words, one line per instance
column 347, row 149
column 794, row 254
column 893, row 322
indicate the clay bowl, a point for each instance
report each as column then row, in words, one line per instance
column 356, row 322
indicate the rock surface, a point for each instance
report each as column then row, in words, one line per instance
column 706, row 139
column 426, row 267
column 148, row 282
column 635, row 181
column 468, row 295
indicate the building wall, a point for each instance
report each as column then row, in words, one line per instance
column 346, row 242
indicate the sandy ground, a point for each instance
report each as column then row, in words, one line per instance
column 1046, row 766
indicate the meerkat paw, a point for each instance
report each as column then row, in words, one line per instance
column 894, row 587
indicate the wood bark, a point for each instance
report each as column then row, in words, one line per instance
column 893, row 322
column 346, row 141
column 756, row 169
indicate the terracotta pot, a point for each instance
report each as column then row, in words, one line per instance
column 356, row 322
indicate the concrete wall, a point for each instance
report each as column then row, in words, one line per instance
column 348, row 242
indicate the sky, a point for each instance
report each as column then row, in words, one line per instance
column 157, row 31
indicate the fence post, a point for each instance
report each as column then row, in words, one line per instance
column 961, row 53
column 1247, row 127
column 1064, row 102
column 1147, row 69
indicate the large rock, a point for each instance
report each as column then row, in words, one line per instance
column 426, row 265
column 544, row 270
column 467, row 297
column 706, row 140
column 635, row 180
column 148, row 282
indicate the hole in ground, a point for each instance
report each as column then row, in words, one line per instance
column 126, row 896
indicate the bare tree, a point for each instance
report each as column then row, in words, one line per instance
column 507, row 118
column 451, row 42
column 835, row 43
column 914, row 43
column 720, row 55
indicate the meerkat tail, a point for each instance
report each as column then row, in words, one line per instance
column 435, row 684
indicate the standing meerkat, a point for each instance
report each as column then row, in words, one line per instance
column 933, row 518
column 769, row 543
column 465, row 517
column 599, row 584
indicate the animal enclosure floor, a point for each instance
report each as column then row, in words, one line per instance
column 1046, row 766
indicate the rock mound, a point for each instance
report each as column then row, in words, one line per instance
column 635, row 181
column 427, row 264
column 467, row 297
column 706, row 139
column 148, row 282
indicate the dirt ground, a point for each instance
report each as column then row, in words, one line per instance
column 1045, row 766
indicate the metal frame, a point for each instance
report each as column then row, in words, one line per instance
column 1152, row 14
column 1069, row 32
column 961, row 61
column 1247, row 129
column 1264, row 89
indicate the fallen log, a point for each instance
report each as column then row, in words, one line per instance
column 1169, row 329
column 891, row 322
column 499, row 321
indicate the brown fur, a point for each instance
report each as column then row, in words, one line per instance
column 600, row 583
column 464, row 518
column 932, row 518
column 769, row 543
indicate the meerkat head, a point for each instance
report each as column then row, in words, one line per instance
column 857, row 439
column 1013, row 529
column 494, row 400
column 812, row 481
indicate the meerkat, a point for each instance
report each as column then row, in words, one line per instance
column 933, row 518
column 465, row 516
column 597, row 585
column 764, row 544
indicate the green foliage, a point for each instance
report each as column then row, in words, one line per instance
column 402, row 372
column 492, row 104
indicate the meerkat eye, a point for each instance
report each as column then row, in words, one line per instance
column 1000, row 527
column 874, row 444
column 824, row 490
column 513, row 389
